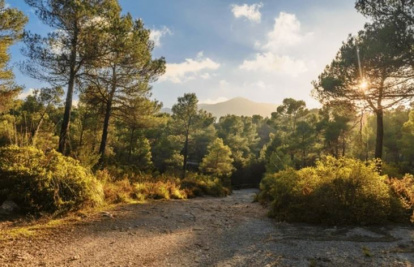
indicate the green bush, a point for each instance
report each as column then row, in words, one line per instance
column 50, row 182
column 336, row 191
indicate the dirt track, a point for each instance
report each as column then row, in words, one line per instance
column 229, row 231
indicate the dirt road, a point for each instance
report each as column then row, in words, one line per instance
column 229, row 231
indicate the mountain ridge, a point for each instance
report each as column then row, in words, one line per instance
column 239, row 106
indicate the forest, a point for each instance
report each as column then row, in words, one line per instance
column 348, row 162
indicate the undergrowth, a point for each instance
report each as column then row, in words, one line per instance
column 338, row 191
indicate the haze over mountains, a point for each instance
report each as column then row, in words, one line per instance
column 237, row 106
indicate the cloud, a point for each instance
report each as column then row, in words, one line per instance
column 273, row 58
column 251, row 12
column 270, row 62
column 224, row 84
column 96, row 21
column 205, row 76
column 286, row 33
column 25, row 94
column 214, row 101
column 156, row 35
column 189, row 69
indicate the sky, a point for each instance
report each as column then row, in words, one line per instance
column 265, row 51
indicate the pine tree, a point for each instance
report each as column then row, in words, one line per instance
column 218, row 160
column 60, row 57
column 187, row 119
column 12, row 22
column 120, row 80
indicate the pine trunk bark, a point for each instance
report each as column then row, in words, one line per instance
column 69, row 95
column 380, row 134
column 108, row 112
column 185, row 153
column 104, row 138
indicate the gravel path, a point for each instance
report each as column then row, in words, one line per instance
column 229, row 231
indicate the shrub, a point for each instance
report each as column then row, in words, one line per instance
column 158, row 190
column 199, row 185
column 402, row 191
column 280, row 180
column 50, row 182
column 119, row 191
column 336, row 191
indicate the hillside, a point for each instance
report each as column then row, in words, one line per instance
column 236, row 106
column 239, row 106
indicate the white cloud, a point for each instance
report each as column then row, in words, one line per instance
column 251, row 12
column 214, row 101
column 286, row 33
column 189, row 69
column 205, row 76
column 96, row 21
column 156, row 35
column 270, row 62
column 224, row 84
column 25, row 94
column 274, row 58
column 260, row 84
column 57, row 44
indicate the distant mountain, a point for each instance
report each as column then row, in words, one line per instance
column 239, row 106
column 166, row 110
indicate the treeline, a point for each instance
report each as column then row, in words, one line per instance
column 293, row 136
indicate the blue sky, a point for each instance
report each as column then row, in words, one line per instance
column 262, row 50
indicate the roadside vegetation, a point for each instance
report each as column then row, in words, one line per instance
column 339, row 191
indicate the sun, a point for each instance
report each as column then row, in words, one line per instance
column 364, row 85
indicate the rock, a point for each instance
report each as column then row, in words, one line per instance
column 9, row 206
column 107, row 214
column 362, row 232
column 75, row 258
column 82, row 215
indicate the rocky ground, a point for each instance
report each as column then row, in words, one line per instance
column 229, row 231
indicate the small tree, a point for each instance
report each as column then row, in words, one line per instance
column 218, row 160
column 187, row 119
column 12, row 22
column 37, row 107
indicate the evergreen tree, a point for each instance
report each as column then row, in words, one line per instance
column 12, row 22
column 120, row 80
column 60, row 57
column 381, row 79
column 186, row 120
column 218, row 160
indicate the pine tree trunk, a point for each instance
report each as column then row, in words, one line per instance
column 185, row 152
column 131, row 146
column 69, row 95
column 108, row 111
column 104, row 138
column 35, row 131
column 380, row 134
